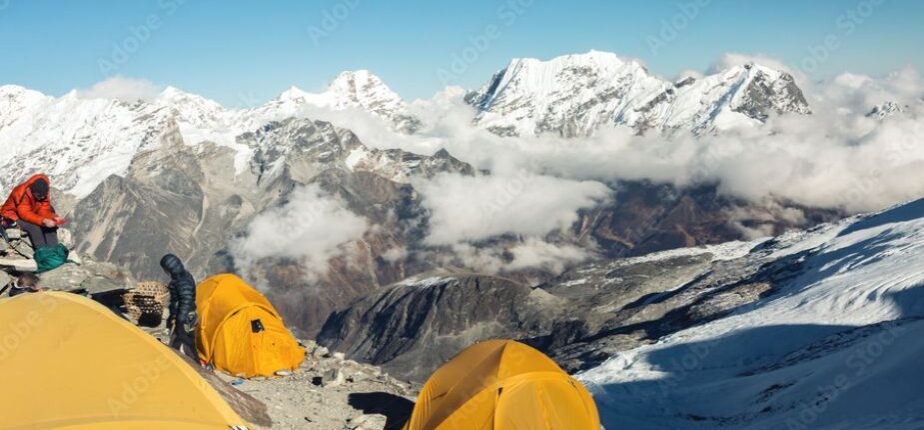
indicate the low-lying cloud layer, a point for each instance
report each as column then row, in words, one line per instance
column 311, row 227
column 474, row 208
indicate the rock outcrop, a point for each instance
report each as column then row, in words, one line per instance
column 579, row 319
column 413, row 327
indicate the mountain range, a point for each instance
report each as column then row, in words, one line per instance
column 80, row 140
column 575, row 95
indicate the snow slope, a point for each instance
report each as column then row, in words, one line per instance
column 574, row 95
column 838, row 345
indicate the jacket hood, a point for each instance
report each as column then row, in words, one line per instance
column 172, row 264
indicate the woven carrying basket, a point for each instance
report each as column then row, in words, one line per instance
column 145, row 303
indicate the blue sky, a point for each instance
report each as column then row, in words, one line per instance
column 242, row 53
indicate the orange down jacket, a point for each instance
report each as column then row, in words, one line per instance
column 21, row 205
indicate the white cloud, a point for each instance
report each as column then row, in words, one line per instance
column 468, row 209
column 535, row 253
column 733, row 59
column 120, row 88
column 311, row 227
column 855, row 93
column 529, row 253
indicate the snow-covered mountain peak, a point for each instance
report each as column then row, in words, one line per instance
column 574, row 95
column 186, row 103
column 16, row 91
column 172, row 93
column 357, row 81
column 545, row 77
column 16, row 101
column 361, row 88
column 292, row 93
column 604, row 61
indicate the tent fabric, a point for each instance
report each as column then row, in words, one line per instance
column 503, row 385
column 240, row 332
column 67, row 362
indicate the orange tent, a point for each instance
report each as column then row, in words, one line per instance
column 67, row 362
column 503, row 385
column 240, row 332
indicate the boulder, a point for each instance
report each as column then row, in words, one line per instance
column 91, row 277
column 332, row 378
column 367, row 422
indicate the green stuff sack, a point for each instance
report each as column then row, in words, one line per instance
column 50, row 258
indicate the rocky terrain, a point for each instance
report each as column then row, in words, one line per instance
column 413, row 326
column 331, row 392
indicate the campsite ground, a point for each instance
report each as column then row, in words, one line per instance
column 329, row 392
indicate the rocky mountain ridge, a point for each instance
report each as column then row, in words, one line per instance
column 575, row 95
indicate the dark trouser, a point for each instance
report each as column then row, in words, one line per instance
column 41, row 236
column 185, row 342
column 14, row 291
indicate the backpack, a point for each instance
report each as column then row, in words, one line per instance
column 50, row 258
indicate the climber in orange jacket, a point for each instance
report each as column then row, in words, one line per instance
column 29, row 205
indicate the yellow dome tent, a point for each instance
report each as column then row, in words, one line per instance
column 67, row 362
column 240, row 332
column 503, row 385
